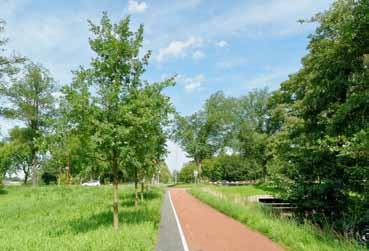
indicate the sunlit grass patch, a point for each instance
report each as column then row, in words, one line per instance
column 76, row 218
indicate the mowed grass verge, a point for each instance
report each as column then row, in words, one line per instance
column 286, row 232
column 76, row 218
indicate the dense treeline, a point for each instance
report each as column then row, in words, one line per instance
column 310, row 137
column 227, row 138
column 107, row 124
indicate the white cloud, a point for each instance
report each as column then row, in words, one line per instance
column 55, row 39
column 221, row 43
column 198, row 54
column 261, row 18
column 272, row 78
column 231, row 63
column 136, row 7
column 191, row 83
column 178, row 48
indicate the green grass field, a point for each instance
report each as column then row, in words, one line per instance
column 286, row 232
column 76, row 218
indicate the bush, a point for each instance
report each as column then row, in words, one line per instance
column 186, row 173
column 49, row 178
column 231, row 168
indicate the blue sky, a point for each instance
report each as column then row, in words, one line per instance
column 233, row 46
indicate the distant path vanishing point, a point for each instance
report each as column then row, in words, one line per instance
column 204, row 229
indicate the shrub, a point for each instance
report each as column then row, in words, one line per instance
column 49, row 178
column 231, row 168
column 186, row 174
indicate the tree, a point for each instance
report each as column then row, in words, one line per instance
column 186, row 174
column 20, row 152
column 147, row 138
column 227, row 125
column 222, row 117
column 324, row 109
column 5, row 160
column 9, row 66
column 164, row 176
column 193, row 133
column 210, row 130
column 30, row 100
column 123, row 113
column 252, row 127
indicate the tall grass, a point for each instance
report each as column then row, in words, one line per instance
column 76, row 218
column 249, row 190
column 286, row 232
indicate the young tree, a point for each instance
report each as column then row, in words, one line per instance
column 30, row 100
column 20, row 152
column 147, row 139
column 70, row 145
column 121, row 107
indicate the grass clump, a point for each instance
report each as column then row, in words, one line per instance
column 244, row 191
column 286, row 232
column 76, row 218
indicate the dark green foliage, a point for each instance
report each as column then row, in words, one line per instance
column 186, row 174
column 320, row 119
column 226, row 124
column 49, row 178
column 231, row 168
column 165, row 175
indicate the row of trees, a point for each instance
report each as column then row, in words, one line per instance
column 107, row 123
column 227, row 138
column 310, row 137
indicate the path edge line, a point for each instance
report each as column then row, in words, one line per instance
column 184, row 242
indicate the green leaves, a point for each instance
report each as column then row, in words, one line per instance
column 109, row 105
column 319, row 115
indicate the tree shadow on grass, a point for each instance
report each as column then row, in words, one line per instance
column 3, row 191
column 127, row 217
column 128, row 199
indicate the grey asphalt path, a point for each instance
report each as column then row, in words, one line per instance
column 169, row 235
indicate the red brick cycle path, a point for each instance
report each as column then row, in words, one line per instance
column 206, row 229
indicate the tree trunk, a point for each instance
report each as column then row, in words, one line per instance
column 25, row 178
column 34, row 170
column 136, row 193
column 142, row 190
column 115, row 195
column 136, row 189
column 115, row 206
column 199, row 172
column 68, row 170
column 26, row 173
